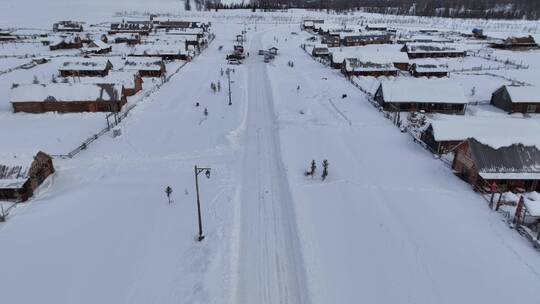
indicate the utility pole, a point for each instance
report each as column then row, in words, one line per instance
column 207, row 173
column 229, row 79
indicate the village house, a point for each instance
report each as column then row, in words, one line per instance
column 97, row 47
column 146, row 67
column 68, row 26
column 7, row 35
column 320, row 51
column 370, row 53
column 67, row 98
column 127, row 38
column 514, row 99
column 432, row 50
column 515, row 167
column 429, row 70
column 174, row 24
column 356, row 39
column 195, row 32
column 444, row 132
column 131, row 27
column 516, row 43
column 21, row 176
column 331, row 40
column 65, row 43
column 163, row 51
column 273, row 50
column 357, row 67
column 376, row 27
column 414, row 95
column 130, row 80
column 95, row 67
column 310, row 24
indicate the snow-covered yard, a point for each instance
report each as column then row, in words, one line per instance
column 390, row 224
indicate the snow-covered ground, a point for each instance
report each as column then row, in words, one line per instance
column 391, row 224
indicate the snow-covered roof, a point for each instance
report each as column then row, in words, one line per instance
column 422, row 90
column 158, row 49
column 94, row 64
column 14, row 169
column 373, row 53
column 125, row 78
column 97, row 44
column 516, row 161
column 496, row 131
column 138, row 63
column 356, row 65
column 433, row 48
column 429, row 67
column 186, row 31
column 529, row 94
column 532, row 203
column 66, row 92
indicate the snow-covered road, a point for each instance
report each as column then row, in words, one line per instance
column 270, row 261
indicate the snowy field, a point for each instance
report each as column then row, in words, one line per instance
column 391, row 224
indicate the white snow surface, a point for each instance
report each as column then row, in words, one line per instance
column 423, row 90
column 391, row 224
column 530, row 94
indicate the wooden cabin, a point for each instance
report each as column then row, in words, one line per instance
column 146, row 67
column 67, row 98
column 370, row 53
column 68, row 26
column 130, row 80
column 331, row 40
column 320, row 51
column 415, row 95
column 433, row 50
column 376, row 27
column 97, row 47
column 516, row 43
column 86, row 68
column 514, row 99
column 131, row 27
column 429, row 70
column 356, row 67
column 21, row 176
column 163, row 51
column 273, row 50
column 358, row 39
column 129, row 39
column 445, row 132
column 67, row 43
column 515, row 167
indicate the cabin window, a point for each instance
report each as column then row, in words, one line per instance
column 531, row 109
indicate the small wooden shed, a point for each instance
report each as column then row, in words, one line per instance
column 21, row 176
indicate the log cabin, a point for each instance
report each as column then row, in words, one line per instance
column 515, row 99
column 511, row 168
column 95, row 67
column 416, row 94
column 67, row 98
column 21, row 176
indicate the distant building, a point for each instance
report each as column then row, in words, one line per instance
column 21, row 176
column 97, row 47
column 73, row 42
column 127, row 38
column 516, row 43
column 357, row 67
column 358, row 39
column 415, row 95
column 67, row 98
column 146, row 67
column 433, row 50
column 512, row 168
column 68, row 26
column 131, row 27
column 320, row 51
column 376, row 27
column 429, row 70
column 514, row 99
column 95, row 67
